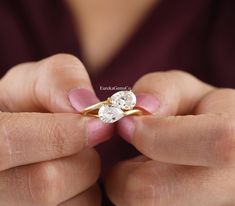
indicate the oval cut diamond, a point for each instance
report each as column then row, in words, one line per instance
column 124, row 100
column 110, row 114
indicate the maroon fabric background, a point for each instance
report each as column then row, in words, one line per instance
column 197, row 36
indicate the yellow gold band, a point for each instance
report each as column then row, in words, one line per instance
column 119, row 105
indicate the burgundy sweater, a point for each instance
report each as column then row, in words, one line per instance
column 197, row 36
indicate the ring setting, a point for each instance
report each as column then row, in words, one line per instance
column 119, row 105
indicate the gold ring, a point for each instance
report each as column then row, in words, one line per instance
column 119, row 105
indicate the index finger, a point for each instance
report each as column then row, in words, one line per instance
column 58, row 83
column 170, row 93
column 175, row 139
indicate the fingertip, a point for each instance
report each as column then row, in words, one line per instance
column 58, row 80
column 148, row 102
column 126, row 127
column 82, row 98
column 98, row 132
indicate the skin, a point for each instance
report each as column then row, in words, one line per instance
column 187, row 144
column 46, row 157
column 99, row 21
column 46, row 154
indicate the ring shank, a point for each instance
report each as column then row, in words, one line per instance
column 90, row 110
column 93, row 110
column 133, row 112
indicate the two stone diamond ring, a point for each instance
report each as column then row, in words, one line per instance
column 119, row 105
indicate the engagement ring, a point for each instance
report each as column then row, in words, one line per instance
column 119, row 105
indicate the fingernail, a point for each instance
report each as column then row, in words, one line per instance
column 98, row 132
column 148, row 102
column 126, row 127
column 82, row 98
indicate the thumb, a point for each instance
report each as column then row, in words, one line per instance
column 59, row 83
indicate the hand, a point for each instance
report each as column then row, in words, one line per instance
column 46, row 157
column 188, row 145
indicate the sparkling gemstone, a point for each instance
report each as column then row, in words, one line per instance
column 110, row 114
column 124, row 100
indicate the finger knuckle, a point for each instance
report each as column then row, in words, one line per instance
column 163, row 77
column 224, row 140
column 56, row 72
column 64, row 135
column 179, row 73
column 44, row 184
column 54, row 65
column 8, row 141
column 55, row 136
column 184, row 77
column 152, row 78
column 58, row 67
